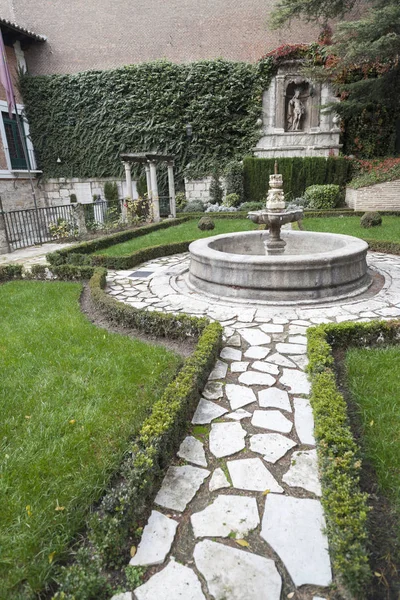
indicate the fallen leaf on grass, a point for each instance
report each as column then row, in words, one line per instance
column 51, row 556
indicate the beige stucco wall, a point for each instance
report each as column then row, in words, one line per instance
column 382, row 196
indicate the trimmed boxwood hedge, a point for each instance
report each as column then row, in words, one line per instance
column 128, row 261
column 346, row 507
column 60, row 256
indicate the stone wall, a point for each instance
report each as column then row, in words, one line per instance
column 58, row 191
column 16, row 194
column 199, row 189
column 382, row 196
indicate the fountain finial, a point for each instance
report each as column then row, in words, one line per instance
column 276, row 168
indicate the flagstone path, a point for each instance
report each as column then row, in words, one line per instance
column 238, row 515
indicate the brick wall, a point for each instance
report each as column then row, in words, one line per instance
column 99, row 34
column 382, row 196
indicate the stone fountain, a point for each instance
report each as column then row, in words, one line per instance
column 279, row 266
column 275, row 216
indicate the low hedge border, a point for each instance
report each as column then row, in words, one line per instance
column 124, row 508
column 41, row 272
column 128, row 261
column 346, row 507
column 60, row 256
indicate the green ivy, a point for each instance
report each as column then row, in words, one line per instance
column 88, row 118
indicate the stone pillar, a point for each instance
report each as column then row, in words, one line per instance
column 280, row 101
column 4, row 247
column 154, row 192
column 171, row 189
column 128, row 178
column 148, row 180
column 80, row 219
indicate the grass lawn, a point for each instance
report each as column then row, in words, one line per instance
column 179, row 233
column 71, row 396
column 389, row 230
column 374, row 381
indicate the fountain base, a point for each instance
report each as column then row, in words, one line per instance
column 314, row 266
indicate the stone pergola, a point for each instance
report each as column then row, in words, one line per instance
column 150, row 161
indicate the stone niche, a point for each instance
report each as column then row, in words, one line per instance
column 296, row 120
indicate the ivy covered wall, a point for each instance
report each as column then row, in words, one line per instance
column 89, row 118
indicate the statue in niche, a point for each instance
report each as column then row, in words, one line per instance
column 296, row 110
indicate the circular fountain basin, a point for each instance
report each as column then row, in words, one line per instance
column 314, row 266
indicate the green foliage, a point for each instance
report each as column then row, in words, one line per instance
column 38, row 272
column 370, row 172
column 370, row 219
column 232, row 200
column 322, row 197
column 180, row 201
column 206, row 224
column 71, row 272
column 73, row 199
column 134, row 576
column 146, row 106
column 83, row 579
column 216, row 191
column 234, row 179
column 8, row 272
column 298, row 174
column 194, row 206
column 111, row 191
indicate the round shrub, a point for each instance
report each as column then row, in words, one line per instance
column 194, row 206
column 205, row 224
column 252, row 206
column 180, row 201
column 370, row 219
column 232, row 200
column 320, row 197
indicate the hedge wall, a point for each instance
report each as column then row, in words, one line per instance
column 88, row 118
column 298, row 173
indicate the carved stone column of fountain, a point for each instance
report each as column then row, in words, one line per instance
column 275, row 214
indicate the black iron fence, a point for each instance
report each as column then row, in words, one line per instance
column 30, row 227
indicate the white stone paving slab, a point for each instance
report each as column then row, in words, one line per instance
column 174, row 582
column 294, row 528
column 282, row 361
column 213, row 390
column 234, row 340
column 297, row 330
column 233, row 574
column 239, row 395
column 251, row 474
column 123, row 596
column 296, row 381
column 271, row 328
column 274, row 398
column 192, row 450
column 238, row 415
column 218, row 480
column 271, row 419
column 301, row 361
column 239, row 367
column 257, row 352
column 255, row 378
column 231, row 353
column 304, row 420
column 219, row 371
column 272, row 446
column 297, row 339
column 226, row 439
column 206, row 412
column 265, row 367
column 303, row 471
column 179, row 486
column 226, row 515
column 255, row 337
column 283, row 348
column 156, row 541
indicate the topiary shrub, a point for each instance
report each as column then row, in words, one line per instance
column 194, row 206
column 252, row 206
column 180, row 201
column 234, row 179
column 205, row 224
column 370, row 219
column 73, row 199
column 232, row 200
column 216, row 191
column 111, row 191
column 322, row 196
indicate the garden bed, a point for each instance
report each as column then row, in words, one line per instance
column 345, row 502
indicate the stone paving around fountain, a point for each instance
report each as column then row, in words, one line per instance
column 238, row 514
